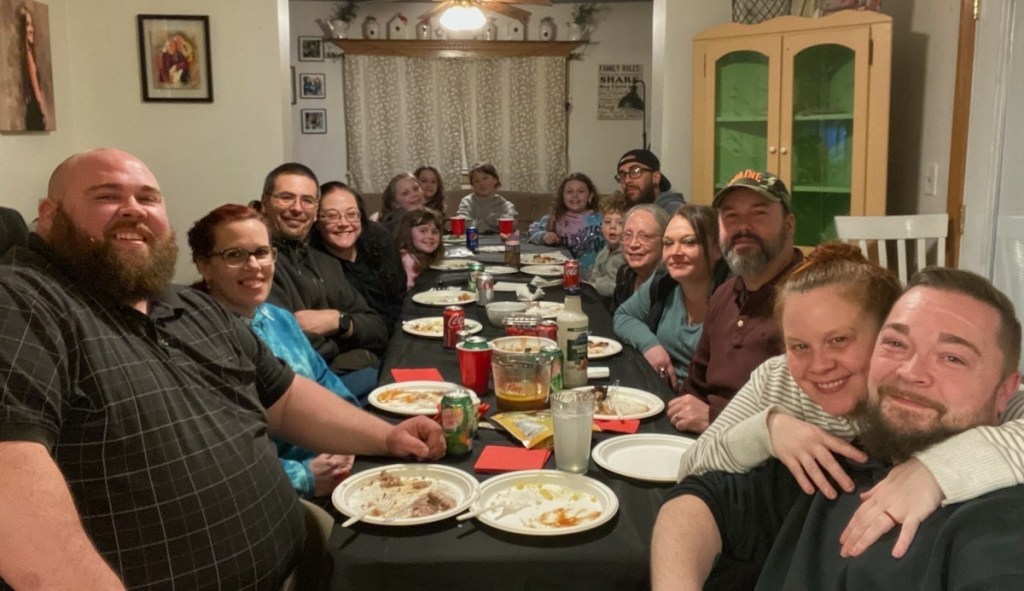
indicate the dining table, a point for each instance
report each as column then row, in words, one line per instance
column 451, row 554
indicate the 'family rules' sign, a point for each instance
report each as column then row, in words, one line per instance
column 614, row 81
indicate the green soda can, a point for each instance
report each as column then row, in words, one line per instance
column 554, row 356
column 457, row 421
column 475, row 269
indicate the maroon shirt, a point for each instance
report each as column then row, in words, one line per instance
column 739, row 334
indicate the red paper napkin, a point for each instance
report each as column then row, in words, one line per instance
column 501, row 458
column 617, row 426
column 405, row 374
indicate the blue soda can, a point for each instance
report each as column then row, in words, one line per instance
column 472, row 239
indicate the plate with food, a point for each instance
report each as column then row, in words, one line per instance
column 452, row 265
column 412, row 398
column 444, row 297
column 547, row 310
column 544, row 503
column 600, row 347
column 406, row 494
column 647, row 456
column 452, row 239
column 536, row 258
column 432, row 327
column 543, row 270
column 620, row 402
column 500, row 270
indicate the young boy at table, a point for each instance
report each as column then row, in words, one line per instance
column 609, row 258
column 483, row 207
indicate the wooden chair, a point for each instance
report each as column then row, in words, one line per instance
column 875, row 235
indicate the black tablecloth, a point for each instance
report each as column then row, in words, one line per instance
column 470, row 555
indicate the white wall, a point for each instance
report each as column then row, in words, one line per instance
column 622, row 36
column 202, row 154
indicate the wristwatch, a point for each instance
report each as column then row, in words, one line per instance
column 344, row 323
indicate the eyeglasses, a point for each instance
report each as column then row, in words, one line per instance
column 632, row 172
column 332, row 216
column 236, row 257
column 288, row 199
column 641, row 237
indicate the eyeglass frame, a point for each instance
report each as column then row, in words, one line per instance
column 632, row 172
column 288, row 199
column 249, row 254
column 356, row 216
column 644, row 238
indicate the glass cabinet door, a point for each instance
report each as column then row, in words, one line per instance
column 741, row 114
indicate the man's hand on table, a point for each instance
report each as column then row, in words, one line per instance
column 689, row 413
column 418, row 437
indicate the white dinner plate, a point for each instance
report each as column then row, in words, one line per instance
column 452, row 239
column 550, row 258
column 547, row 310
column 412, row 398
column 432, row 327
column 543, row 270
column 546, row 503
column 452, row 265
column 647, row 456
column 500, row 270
column 408, row 495
column 630, row 403
column 444, row 297
column 600, row 347
column 491, row 248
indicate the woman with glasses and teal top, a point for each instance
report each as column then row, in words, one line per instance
column 365, row 249
column 231, row 248
column 664, row 317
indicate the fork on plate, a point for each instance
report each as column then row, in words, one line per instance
column 383, row 505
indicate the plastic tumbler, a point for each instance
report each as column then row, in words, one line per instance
column 475, row 363
column 506, row 224
column 458, row 225
column 572, row 417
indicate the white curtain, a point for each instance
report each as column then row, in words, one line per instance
column 402, row 112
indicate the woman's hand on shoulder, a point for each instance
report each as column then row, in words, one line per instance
column 808, row 451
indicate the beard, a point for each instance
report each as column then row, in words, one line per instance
column 755, row 262
column 889, row 443
column 125, row 277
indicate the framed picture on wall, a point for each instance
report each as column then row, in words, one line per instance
column 312, row 86
column 311, row 49
column 313, row 120
column 26, row 68
column 174, row 55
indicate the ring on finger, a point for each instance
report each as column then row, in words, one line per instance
column 891, row 518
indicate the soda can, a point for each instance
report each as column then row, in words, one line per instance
column 571, row 276
column 457, row 421
column 554, row 357
column 484, row 288
column 475, row 268
column 472, row 239
column 548, row 329
column 454, row 321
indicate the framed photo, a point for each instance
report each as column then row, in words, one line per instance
column 174, row 55
column 312, row 86
column 313, row 120
column 26, row 68
column 311, row 49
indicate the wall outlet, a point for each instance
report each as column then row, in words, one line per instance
column 931, row 179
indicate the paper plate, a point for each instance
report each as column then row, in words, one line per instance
column 452, row 265
column 432, row 327
column 444, row 297
column 500, row 270
column 405, row 500
column 543, row 270
column 650, row 457
column 491, row 248
column 452, row 239
column 600, row 347
column 630, row 402
column 547, row 310
column 551, row 258
column 412, row 398
column 546, row 503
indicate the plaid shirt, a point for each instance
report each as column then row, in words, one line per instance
column 157, row 423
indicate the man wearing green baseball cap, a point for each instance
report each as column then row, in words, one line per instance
column 756, row 237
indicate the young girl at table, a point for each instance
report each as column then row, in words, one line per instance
column 610, row 258
column 572, row 223
column 433, row 187
column 418, row 238
column 402, row 194
column 484, row 206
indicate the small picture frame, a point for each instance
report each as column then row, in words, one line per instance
column 311, row 49
column 174, row 56
column 312, row 86
column 313, row 120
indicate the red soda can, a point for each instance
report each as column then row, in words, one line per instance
column 548, row 329
column 571, row 275
column 454, row 321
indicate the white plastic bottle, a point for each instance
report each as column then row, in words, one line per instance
column 573, row 329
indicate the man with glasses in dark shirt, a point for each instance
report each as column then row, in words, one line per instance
column 342, row 327
column 640, row 177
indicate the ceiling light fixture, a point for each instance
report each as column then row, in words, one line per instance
column 463, row 15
